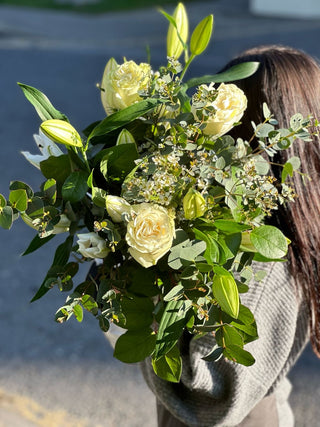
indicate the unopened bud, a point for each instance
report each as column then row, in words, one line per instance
column 61, row 132
column 194, row 204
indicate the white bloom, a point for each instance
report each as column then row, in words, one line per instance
column 46, row 147
column 91, row 245
column 121, row 83
column 149, row 233
column 229, row 106
column 116, row 206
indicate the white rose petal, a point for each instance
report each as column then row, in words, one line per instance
column 149, row 233
column 121, row 84
column 229, row 106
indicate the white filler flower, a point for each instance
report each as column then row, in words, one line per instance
column 46, row 147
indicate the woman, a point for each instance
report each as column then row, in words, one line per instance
column 287, row 304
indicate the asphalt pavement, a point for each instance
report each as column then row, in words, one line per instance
column 54, row 375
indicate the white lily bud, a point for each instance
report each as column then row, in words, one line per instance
column 125, row 137
column 62, row 132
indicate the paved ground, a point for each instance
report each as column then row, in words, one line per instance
column 52, row 375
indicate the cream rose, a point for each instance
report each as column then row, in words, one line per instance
column 121, row 83
column 230, row 105
column 149, row 233
column 91, row 245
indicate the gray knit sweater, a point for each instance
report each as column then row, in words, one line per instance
column 222, row 393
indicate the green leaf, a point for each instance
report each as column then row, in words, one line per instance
column 121, row 118
column 50, row 190
column 296, row 122
column 239, row 355
column 225, row 291
column 19, row 185
column 262, row 166
column 56, row 167
column 237, row 72
column 89, row 303
column 18, row 199
column 269, row 241
column 191, row 251
column 41, row 103
column 291, row 165
column 230, row 336
column 201, row 35
column 175, row 293
column 35, row 208
column 214, row 354
column 170, row 328
column 230, row 244
column 98, row 197
column 138, row 313
column 3, row 201
column 135, row 346
column 230, row 227
column 212, row 253
column 118, row 161
column 75, row 186
column 6, row 217
column 60, row 259
column 103, row 323
column 36, row 243
column 78, row 312
column 169, row 366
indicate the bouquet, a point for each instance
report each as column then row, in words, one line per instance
column 169, row 207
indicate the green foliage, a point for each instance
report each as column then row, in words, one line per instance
column 173, row 207
column 169, row 366
column 41, row 103
column 135, row 346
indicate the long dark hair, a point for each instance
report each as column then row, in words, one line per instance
column 288, row 80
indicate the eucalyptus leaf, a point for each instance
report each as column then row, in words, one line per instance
column 18, row 199
column 6, row 217
column 175, row 293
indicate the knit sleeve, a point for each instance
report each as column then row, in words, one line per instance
column 222, row 393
